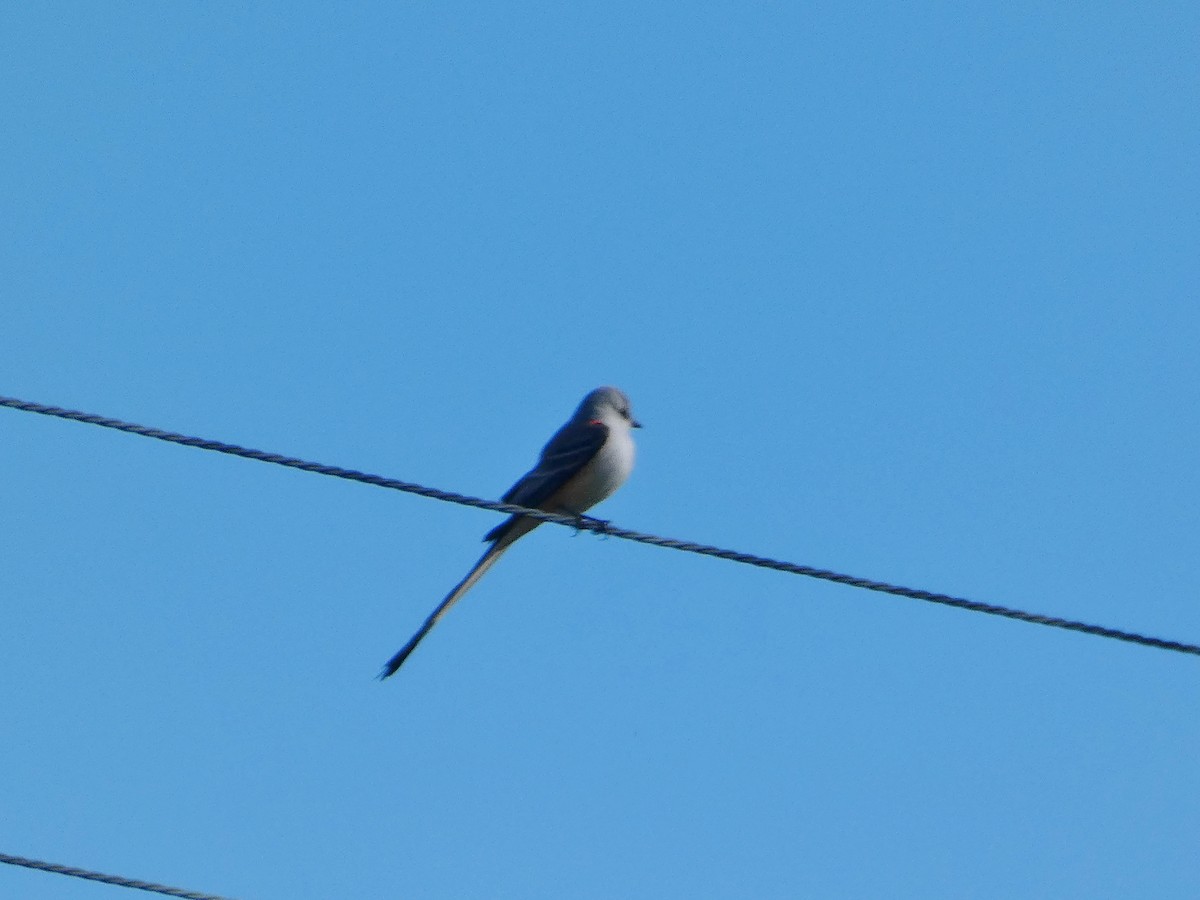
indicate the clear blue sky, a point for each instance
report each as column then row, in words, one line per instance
column 904, row 290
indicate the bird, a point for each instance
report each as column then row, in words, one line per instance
column 583, row 463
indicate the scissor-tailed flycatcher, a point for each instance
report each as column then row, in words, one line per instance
column 585, row 461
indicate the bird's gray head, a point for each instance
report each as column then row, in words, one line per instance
column 604, row 403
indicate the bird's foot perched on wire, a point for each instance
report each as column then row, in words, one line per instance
column 587, row 523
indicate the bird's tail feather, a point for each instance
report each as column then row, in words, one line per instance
column 486, row 561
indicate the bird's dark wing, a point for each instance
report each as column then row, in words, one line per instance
column 571, row 448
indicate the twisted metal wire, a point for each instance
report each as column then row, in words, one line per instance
column 601, row 527
column 106, row 879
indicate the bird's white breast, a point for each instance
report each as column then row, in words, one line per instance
column 603, row 474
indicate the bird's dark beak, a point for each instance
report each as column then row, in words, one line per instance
column 634, row 423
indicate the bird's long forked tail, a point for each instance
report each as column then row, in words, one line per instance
column 486, row 561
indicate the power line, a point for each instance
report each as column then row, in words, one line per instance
column 601, row 527
column 106, row 879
